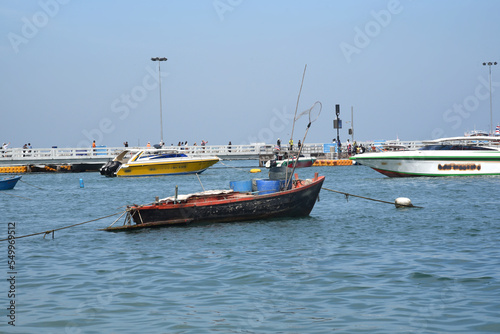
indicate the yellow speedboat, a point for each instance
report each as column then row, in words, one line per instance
column 154, row 162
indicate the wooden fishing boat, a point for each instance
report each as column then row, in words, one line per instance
column 9, row 182
column 225, row 206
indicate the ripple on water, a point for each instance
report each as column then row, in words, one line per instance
column 353, row 266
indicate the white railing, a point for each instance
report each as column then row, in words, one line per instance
column 251, row 151
column 10, row 154
column 56, row 153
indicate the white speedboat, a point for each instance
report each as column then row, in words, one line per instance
column 441, row 157
column 154, row 162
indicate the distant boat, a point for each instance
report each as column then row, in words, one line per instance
column 441, row 157
column 273, row 201
column 155, row 162
column 9, row 182
column 302, row 162
column 476, row 133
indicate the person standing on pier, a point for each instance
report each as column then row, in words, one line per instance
column 291, row 144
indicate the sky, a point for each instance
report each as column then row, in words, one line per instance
column 76, row 71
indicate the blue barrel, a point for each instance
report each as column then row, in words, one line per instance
column 241, row 186
column 268, row 186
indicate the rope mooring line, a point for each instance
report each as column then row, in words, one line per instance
column 31, row 185
column 65, row 227
column 370, row 199
column 3, row 192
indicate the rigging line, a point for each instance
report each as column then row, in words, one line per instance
column 202, row 187
column 303, row 141
column 297, row 158
column 16, row 196
column 31, row 184
column 371, row 199
column 124, row 212
column 62, row 228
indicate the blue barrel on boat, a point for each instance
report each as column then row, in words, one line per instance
column 241, row 186
column 268, row 186
column 254, row 184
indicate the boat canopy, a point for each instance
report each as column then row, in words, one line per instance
column 479, row 139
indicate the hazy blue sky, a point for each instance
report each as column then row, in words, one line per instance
column 73, row 71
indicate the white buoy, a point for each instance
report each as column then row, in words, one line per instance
column 402, row 202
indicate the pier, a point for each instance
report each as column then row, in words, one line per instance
column 21, row 160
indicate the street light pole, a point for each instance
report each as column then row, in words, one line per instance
column 352, row 124
column 491, row 105
column 159, row 60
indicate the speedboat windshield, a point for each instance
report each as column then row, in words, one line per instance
column 162, row 156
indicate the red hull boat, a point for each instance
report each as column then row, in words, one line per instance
column 224, row 206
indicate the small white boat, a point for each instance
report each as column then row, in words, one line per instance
column 302, row 162
column 155, row 162
column 442, row 157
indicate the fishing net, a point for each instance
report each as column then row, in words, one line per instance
column 312, row 112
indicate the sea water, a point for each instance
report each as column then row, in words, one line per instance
column 352, row 266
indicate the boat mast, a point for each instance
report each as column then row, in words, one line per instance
column 298, row 98
column 159, row 60
column 295, row 116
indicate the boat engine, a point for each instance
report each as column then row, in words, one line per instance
column 110, row 168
